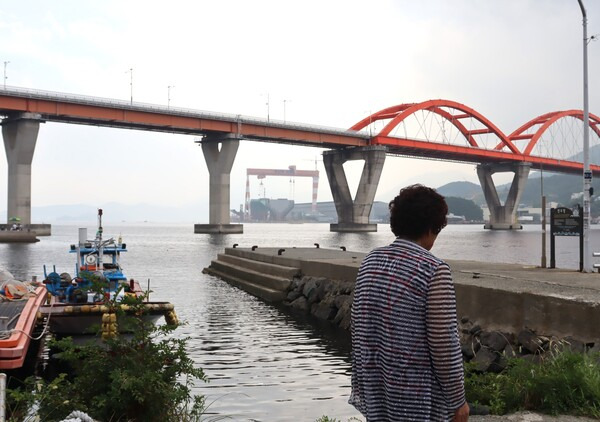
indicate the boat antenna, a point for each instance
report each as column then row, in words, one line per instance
column 99, row 245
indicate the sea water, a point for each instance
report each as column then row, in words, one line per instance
column 263, row 363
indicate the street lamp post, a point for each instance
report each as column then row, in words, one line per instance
column 587, row 173
column 169, row 95
column 130, row 85
column 268, row 108
column 5, row 77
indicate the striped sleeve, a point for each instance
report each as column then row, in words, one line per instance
column 442, row 337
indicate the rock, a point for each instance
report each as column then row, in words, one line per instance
column 324, row 310
column 594, row 348
column 298, row 283
column 467, row 352
column 476, row 329
column 465, row 327
column 494, row 340
column 300, row 303
column 509, row 351
column 464, row 320
column 484, row 359
column 309, row 286
column 346, row 322
column 478, row 409
column 537, row 359
column 316, row 294
column 530, row 341
column 343, row 313
column 293, row 295
column 346, row 287
column 498, row 365
column 342, row 300
column 573, row 345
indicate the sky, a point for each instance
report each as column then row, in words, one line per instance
column 328, row 63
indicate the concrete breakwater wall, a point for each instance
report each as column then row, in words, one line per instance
column 502, row 308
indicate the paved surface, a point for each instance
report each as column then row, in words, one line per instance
column 567, row 284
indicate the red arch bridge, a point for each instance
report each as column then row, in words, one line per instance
column 435, row 129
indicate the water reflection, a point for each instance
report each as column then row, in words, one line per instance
column 18, row 256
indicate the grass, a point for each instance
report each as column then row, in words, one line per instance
column 563, row 383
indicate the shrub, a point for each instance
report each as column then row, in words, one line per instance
column 147, row 376
column 563, row 383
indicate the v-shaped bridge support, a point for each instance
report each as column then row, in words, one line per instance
column 219, row 163
column 353, row 216
column 503, row 217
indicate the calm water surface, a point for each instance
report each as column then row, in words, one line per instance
column 264, row 364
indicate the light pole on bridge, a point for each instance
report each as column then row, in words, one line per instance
column 130, row 85
column 587, row 173
column 169, row 95
column 5, row 77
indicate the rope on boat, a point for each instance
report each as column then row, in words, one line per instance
column 6, row 334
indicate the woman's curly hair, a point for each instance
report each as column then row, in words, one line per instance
column 417, row 210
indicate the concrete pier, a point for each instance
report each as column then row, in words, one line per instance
column 20, row 135
column 219, row 162
column 353, row 215
column 503, row 216
column 503, row 297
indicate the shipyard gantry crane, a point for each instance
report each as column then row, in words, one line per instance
column 291, row 171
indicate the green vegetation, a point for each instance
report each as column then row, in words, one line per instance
column 145, row 377
column 564, row 383
column 465, row 207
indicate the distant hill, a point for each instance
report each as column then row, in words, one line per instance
column 117, row 212
column 466, row 190
column 564, row 189
column 464, row 207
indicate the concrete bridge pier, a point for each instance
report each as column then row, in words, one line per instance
column 219, row 162
column 20, row 133
column 353, row 216
column 503, row 217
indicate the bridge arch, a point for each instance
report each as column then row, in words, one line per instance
column 400, row 112
column 545, row 121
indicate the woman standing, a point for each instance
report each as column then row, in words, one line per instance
column 406, row 358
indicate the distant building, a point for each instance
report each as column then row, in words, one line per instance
column 455, row 219
column 326, row 212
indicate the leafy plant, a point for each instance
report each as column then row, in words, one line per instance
column 147, row 376
column 563, row 383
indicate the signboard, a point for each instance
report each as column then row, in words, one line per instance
column 565, row 222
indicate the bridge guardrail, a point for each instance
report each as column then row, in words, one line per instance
column 189, row 112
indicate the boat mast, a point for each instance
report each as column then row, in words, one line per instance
column 99, row 240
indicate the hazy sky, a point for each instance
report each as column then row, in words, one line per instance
column 333, row 62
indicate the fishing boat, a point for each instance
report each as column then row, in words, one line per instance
column 19, row 305
column 82, row 303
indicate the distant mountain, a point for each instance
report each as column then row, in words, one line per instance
column 466, row 190
column 564, row 189
column 117, row 212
